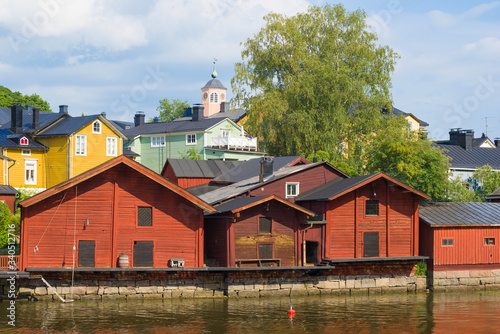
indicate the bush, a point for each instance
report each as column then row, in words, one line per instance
column 6, row 220
column 421, row 269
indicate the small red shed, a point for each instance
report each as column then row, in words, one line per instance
column 367, row 216
column 8, row 196
column 255, row 231
column 458, row 236
column 117, row 208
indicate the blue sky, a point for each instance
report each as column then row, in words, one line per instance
column 123, row 56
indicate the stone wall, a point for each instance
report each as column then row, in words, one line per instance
column 464, row 279
column 202, row 284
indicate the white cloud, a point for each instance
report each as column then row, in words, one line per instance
column 488, row 46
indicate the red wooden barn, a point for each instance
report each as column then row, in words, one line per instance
column 367, row 216
column 119, row 207
column 8, row 196
column 459, row 236
column 255, row 231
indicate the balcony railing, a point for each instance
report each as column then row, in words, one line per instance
column 235, row 143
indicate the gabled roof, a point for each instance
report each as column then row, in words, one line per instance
column 251, row 168
column 460, row 214
column 8, row 190
column 71, row 125
column 235, row 115
column 398, row 112
column 474, row 158
column 338, row 187
column 10, row 140
column 184, row 124
column 238, row 188
column 494, row 195
column 122, row 125
column 243, row 203
column 45, row 119
column 186, row 168
column 108, row 165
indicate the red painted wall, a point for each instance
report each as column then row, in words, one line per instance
column 10, row 201
column 110, row 201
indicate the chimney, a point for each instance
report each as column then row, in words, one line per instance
column 103, row 114
column 224, row 106
column 315, row 159
column 497, row 142
column 464, row 139
column 454, row 136
column 36, row 119
column 266, row 169
column 16, row 119
column 156, row 119
column 63, row 109
column 198, row 112
column 139, row 118
column 188, row 112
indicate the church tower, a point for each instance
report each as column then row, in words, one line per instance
column 212, row 95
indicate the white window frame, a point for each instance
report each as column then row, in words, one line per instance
column 96, row 122
column 158, row 141
column 32, row 164
column 225, row 133
column 21, row 141
column 189, row 139
column 296, row 184
column 111, row 146
column 81, row 145
column 214, row 97
column 26, row 152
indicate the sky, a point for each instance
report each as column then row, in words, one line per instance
column 123, row 56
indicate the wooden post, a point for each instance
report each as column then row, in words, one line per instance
column 388, row 219
column 114, row 227
column 356, row 218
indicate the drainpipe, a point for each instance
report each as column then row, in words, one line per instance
column 8, row 170
column 304, row 244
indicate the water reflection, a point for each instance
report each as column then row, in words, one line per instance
column 463, row 312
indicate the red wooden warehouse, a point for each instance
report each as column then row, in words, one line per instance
column 119, row 207
column 460, row 236
column 8, row 196
column 255, row 231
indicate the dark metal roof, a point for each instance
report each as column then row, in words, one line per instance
column 460, row 214
column 67, row 126
column 237, row 203
column 122, row 125
column 185, row 124
column 10, row 140
column 214, row 83
column 200, row 168
column 204, row 188
column 45, row 119
column 251, row 168
column 235, row 115
column 127, row 151
column 8, row 190
column 474, row 158
column 332, row 188
column 494, row 195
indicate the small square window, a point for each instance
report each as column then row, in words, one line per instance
column 489, row 241
column 371, row 208
column 191, row 139
column 265, row 225
column 145, row 216
column 292, row 189
column 25, row 152
column 447, row 242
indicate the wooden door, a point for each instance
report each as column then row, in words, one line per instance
column 143, row 253
column 370, row 244
column 86, row 253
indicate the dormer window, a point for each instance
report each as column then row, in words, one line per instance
column 24, row 141
column 214, row 98
column 96, row 127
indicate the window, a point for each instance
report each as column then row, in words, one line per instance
column 266, row 251
column 191, row 139
column 447, row 242
column 111, row 146
column 24, row 141
column 265, row 225
column 292, row 189
column 96, row 127
column 371, row 208
column 214, row 98
column 489, row 241
column 81, row 145
column 225, row 133
column 158, row 141
column 145, row 216
column 25, row 152
column 30, row 171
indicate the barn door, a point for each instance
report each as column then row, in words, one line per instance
column 143, row 253
column 370, row 244
column 86, row 253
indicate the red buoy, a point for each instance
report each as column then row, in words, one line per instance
column 291, row 311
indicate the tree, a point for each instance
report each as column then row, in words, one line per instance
column 8, row 98
column 170, row 110
column 405, row 155
column 301, row 75
column 7, row 220
column 191, row 154
column 482, row 183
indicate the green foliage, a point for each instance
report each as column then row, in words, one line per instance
column 7, row 221
column 482, row 183
column 408, row 157
column 8, row 98
column 421, row 269
column 300, row 76
column 170, row 110
column 191, row 154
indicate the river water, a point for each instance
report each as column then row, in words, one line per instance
column 456, row 312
